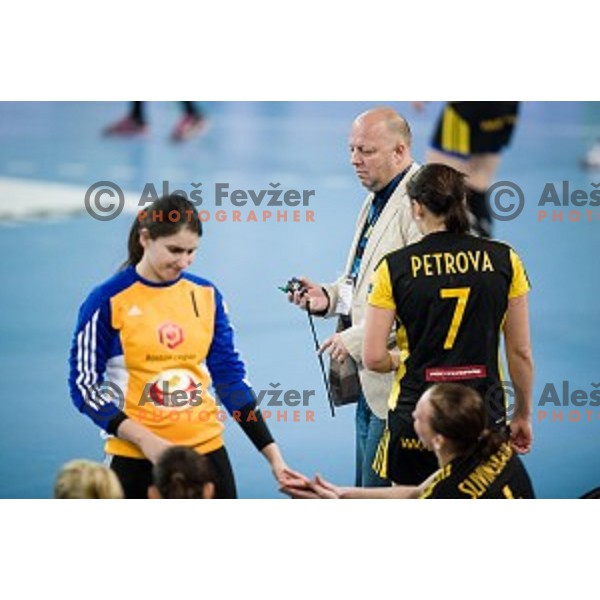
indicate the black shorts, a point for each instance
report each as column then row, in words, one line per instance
column 135, row 475
column 467, row 128
column 404, row 459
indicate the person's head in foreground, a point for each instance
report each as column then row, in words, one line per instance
column 182, row 473
column 85, row 479
column 450, row 420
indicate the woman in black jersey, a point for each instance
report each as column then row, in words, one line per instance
column 452, row 296
column 474, row 461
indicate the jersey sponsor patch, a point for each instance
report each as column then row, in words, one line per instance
column 170, row 334
column 456, row 373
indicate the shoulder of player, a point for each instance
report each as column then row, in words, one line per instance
column 494, row 245
column 201, row 282
column 112, row 286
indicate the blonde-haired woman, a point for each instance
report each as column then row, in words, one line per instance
column 86, row 479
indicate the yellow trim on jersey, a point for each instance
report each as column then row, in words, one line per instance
column 442, row 474
column 402, row 342
column 519, row 284
column 456, row 135
column 381, row 294
column 507, row 492
column 501, row 373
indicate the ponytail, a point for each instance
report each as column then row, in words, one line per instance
column 489, row 443
column 135, row 251
column 182, row 473
column 441, row 189
column 457, row 220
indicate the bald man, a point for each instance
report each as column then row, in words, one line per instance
column 380, row 152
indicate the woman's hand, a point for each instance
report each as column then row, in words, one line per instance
column 282, row 473
column 318, row 488
column 521, row 434
column 151, row 445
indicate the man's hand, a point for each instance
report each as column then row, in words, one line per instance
column 336, row 346
column 311, row 293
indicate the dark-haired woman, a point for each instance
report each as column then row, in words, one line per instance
column 474, row 461
column 148, row 345
column 452, row 295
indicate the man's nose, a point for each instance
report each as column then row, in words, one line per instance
column 355, row 157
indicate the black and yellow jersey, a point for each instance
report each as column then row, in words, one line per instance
column 501, row 476
column 450, row 293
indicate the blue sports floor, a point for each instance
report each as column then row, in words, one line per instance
column 50, row 263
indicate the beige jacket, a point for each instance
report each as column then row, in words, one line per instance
column 394, row 229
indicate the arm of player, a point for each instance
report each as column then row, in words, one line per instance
column 151, row 445
column 229, row 380
column 375, row 354
column 520, row 366
column 320, row 488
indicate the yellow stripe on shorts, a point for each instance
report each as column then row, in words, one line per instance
column 380, row 461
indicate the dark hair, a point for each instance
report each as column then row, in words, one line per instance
column 441, row 189
column 182, row 473
column 459, row 415
column 164, row 217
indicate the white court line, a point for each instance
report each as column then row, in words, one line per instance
column 25, row 198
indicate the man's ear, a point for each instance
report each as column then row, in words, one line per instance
column 400, row 151
column 208, row 492
column 153, row 493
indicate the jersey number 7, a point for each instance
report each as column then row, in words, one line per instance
column 461, row 295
